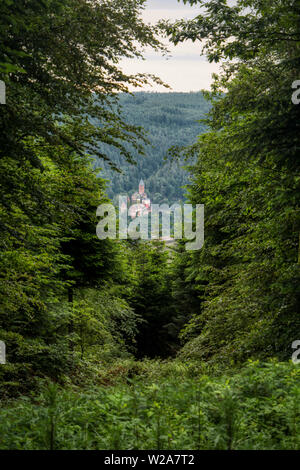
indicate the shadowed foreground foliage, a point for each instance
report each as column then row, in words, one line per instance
column 257, row 408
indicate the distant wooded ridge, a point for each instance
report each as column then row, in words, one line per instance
column 170, row 119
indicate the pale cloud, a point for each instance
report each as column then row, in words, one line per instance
column 152, row 16
column 184, row 69
column 182, row 75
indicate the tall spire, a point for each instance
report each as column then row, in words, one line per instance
column 141, row 187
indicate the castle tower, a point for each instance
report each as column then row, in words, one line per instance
column 141, row 187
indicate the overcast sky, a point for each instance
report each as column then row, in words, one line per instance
column 186, row 69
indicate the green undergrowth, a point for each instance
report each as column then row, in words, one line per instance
column 161, row 405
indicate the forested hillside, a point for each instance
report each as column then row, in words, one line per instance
column 169, row 119
column 126, row 344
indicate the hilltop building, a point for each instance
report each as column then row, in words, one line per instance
column 141, row 204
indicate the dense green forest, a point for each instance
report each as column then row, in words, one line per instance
column 124, row 344
column 170, row 120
